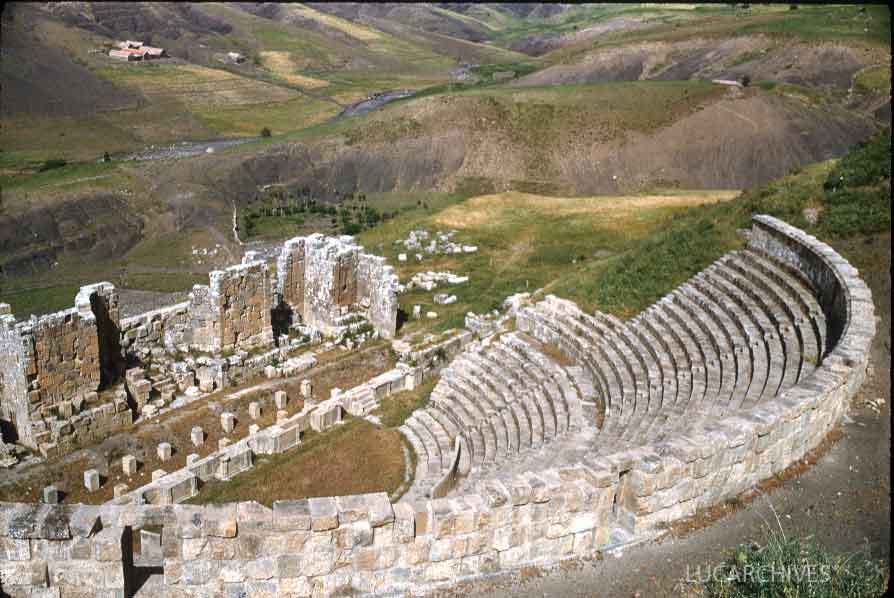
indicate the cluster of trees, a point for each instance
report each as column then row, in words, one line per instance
column 350, row 216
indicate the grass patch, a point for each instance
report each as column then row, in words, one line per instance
column 395, row 409
column 37, row 301
column 825, row 22
column 850, row 196
column 280, row 117
column 874, row 80
column 31, row 176
column 784, row 567
column 524, row 241
column 280, row 63
column 71, row 138
column 791, row 90
column 169, row 250
column 352, row 458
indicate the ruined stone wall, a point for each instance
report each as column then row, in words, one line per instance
column 14, row 400
column 102, row 301
column 232, row 312
column 202, row 326
column 53, row 366
column 377, row 287
column 322, row 279
column 163, row 327
column 65, row 356
column 324, row 285
column 290, row 274
column 334, row 545
column 244, row 299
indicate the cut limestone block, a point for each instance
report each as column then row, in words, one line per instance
column 280, row 399
column 254, row 410
column 158, row 474
column 223, row 443
column 197, row 436
column 91, row 480
column 51, row 495
column 120, row 490
column 129, row 465
column 191, row 459
column 281, row 416
column 164, row 451
column 306, row 389
column 150, row 546
column 227, row 421
column 254, row 429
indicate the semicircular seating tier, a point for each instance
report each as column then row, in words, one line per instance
column 567, row 384
column 572, row 434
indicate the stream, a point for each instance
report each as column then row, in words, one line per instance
column 184, row 149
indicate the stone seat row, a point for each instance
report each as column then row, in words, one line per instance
column 502, row 397
column 736, row 334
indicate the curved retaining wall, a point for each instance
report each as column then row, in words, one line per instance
column 326, row 545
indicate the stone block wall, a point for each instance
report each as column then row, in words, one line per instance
column 14, row 402
column 232, row 312
column 376, row 284
column 154, row 329
column 201, row 329
column 244, row 299
column 321, row 279
column 58, row 359
column 290, row 274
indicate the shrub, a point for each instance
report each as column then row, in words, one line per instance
column 868, row 164
column 265, row 132
column 51, row 164
column 785, row 567
column 746, row 80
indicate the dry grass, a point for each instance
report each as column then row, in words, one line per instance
column 356, row 31
column 284, row 67
column 479, row 211
column 353, row 458
column 334, row 369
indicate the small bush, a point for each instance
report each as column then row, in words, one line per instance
column 265, row 132
column 786, row 567
column 746, row 80
column 51, row 164
column 868, row 164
